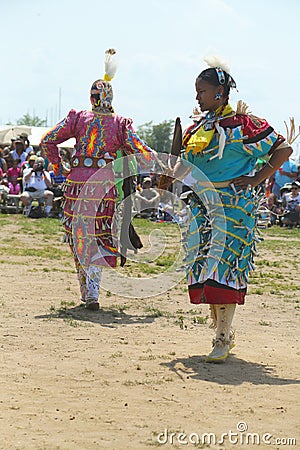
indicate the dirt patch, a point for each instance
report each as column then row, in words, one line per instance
column 130, row 375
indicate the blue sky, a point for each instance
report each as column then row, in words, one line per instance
column 48, row 46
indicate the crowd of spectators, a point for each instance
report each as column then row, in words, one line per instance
column 280, row 207
column 27, row 181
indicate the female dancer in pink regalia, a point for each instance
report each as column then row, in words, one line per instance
column 90, row 191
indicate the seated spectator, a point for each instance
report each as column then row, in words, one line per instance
column 3, row 164
column 57, row 182
column 146, row 199
column 37, row 185
column 275, row 207
column 286, row 189
column 181, row 217
column 291, row 204
column 165, row 207
column 31, row 158
column 13, row 178
column 65, row 160
column 4, row 189
column 57, row 179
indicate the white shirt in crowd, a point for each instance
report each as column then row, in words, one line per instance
column 291, row 202
column 21, row 157
column 36, row 180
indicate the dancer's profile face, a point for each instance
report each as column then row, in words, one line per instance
column 206, row 95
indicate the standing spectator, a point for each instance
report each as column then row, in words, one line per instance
column 12, row 145
column 285, row 174
column 27, row 147
column 19, row 152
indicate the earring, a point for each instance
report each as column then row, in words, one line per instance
column 218, row 96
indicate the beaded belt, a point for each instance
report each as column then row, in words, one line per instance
column 216, row 184
column 88, row 162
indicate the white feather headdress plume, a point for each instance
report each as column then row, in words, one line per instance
column 110, row 64
column 214, row 61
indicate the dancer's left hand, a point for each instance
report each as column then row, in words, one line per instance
column 244, row 181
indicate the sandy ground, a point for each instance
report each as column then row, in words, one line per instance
column 130, row 375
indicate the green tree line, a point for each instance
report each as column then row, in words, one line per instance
column 31, row 121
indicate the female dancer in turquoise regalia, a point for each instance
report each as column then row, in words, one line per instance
column 221, row 149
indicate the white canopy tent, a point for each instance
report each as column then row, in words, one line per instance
column 38, row 132
column 7, row 132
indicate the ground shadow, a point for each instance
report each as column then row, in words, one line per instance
column 234, row 371
column 107, row 317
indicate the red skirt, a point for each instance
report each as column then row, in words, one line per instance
column 215, row 293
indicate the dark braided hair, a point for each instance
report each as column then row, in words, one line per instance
column 211, row 76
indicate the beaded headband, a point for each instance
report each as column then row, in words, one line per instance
column 221, row 77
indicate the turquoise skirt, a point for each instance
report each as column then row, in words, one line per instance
column 221, row 243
